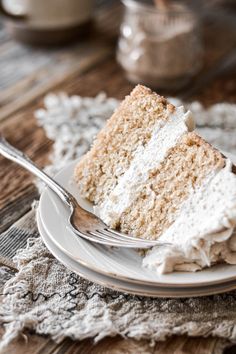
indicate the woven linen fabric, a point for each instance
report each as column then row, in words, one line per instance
column 47, row 297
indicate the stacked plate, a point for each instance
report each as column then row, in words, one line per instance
column 119, row 269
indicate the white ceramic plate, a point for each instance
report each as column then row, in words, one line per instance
column 121, row 263
column 127, row 287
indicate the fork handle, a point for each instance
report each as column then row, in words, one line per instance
column 20, row 158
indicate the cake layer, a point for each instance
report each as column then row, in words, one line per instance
column 158, row 200
column 130, row 127
column 150, row 176
column 201, row 234
column 146, row 160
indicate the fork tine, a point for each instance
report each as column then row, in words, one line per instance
column 109, row 240
column 110, row 237
column 100, row 236
column 97, row 239
column 134, row 243
column 121, row 238
column 142, row 242
column 89, row 237
column 131, row 238
column 114, row 236
column 117, row 242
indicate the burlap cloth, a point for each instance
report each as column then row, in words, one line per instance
column 46, row 297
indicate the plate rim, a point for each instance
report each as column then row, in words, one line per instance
column 115, row 275
column 208, row 291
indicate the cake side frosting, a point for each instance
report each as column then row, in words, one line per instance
column 202, row 233
column 164, row 136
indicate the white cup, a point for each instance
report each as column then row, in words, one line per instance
column 48, row 14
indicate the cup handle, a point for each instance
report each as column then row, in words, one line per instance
column 10, row 15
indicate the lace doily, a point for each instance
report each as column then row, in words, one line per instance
column 72, row 123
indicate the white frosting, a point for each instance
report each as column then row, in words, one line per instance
column 165, row 135
column 202, row 233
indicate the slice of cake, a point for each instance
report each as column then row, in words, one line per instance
column 151, row 176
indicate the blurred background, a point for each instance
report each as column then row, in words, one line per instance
column 179, row 48
column 184, row 49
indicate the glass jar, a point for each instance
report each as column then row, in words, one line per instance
column 161, row 48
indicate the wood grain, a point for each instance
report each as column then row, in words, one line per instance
column 38, row 70
column 22, row 131
column 32, row 343
column 18, row 191
column 95, row 70
column 74, row 69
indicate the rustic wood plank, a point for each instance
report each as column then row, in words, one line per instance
column 222, row 89
column 16, row 237
column 31, row 139
column 18, row 207
column 106, row 29
column 17, row 190
column 65, row 60
column 43, row 68
column 110, row 78
column 74, row 69
column 32, row 343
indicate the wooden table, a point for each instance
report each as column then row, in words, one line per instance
column 84, row 69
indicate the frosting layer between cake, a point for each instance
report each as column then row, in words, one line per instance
column 202, row 233
column 165, row 135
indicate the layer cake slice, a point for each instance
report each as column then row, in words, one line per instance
column 150, row 175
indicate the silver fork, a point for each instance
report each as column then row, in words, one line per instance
column 82, row 222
